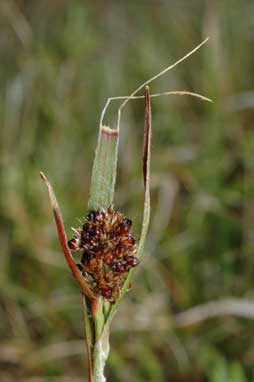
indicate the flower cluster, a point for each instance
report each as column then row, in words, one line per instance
column 108, row 251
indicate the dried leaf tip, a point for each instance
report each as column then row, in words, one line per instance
column 52, row 197
column 43, row 176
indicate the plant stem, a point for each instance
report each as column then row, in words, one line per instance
column 100, row 355
column 97, row 339
column 89, row 336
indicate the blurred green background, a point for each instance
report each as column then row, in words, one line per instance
column 189, row 316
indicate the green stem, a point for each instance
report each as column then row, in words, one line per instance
column 97, row 338
column 101, row 345
column 89, row 336
column 100, row 356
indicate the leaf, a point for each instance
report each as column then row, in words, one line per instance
column 146, row 170
column 63, row 240
column 146, row 213
column 104, row 169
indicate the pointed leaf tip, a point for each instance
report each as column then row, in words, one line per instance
column 43, row 176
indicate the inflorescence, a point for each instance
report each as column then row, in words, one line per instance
column 108, row 251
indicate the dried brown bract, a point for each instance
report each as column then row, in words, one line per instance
column 108, row 251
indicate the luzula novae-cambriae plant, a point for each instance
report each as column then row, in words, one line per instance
column 109, row 252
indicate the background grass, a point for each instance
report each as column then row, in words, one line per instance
column 60, row 60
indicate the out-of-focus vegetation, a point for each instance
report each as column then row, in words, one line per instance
column 60, row 60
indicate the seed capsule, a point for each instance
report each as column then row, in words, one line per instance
column 129, row 240
column 73, row 244
column 119, row 267
column 91, row 215
column 85, row 257
column 80, row 267
column 132, row 261
column 107, row 293
column 108, row 258
column 86, row 226
column 125, row 226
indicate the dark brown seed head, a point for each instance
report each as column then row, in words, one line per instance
column 108, row 251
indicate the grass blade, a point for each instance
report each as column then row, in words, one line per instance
column 104, row 169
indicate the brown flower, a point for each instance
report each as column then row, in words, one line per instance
column 108, row 251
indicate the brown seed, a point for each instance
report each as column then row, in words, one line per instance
column 119, row 267
column 132, row 261
column 86, row 237
column 125, row 226
column 85, row 257
column 129, row 240
column 86, row 226
column 108, row 258
column 91, row 215
column 73, row 244
column 80, row 267
column 112, row 235
column 107, row 292
column 119, row 249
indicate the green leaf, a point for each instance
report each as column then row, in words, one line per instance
column 146, row 170
column 146, row 213
column 104, row 169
